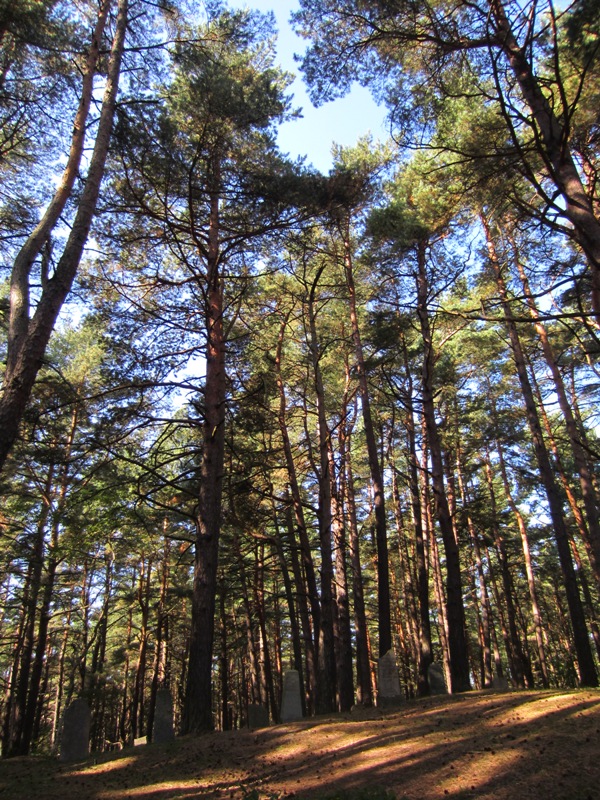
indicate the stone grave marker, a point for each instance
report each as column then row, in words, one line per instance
column 162, row 730
column 388, row 683
column 437, row 681
column 500, row 684
column 258, row 716
column 75, row 737
column 291, row 702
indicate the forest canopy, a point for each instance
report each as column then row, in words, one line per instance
column 256, row 418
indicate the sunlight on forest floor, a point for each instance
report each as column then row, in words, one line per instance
column 478, row 745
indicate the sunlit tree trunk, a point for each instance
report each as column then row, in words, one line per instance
column 553, row 146
column 383, row 577
column 29, row 335
column 484, row 600
column 307, row 589
column 587, row 669
column 590, row 501
column 363, row 669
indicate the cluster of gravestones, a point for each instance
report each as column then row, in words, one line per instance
column 76, row 721
column 74, row 742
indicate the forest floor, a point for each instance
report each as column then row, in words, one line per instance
column 518, row 745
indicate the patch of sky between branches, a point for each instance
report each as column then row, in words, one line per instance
column 340, row 122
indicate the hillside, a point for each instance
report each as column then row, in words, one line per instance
column 480, row 745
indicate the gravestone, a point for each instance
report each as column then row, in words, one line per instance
column 500, row 684
column 388, row 683
column 141, row 740
column 291, row 702
column 437, row 681
column 258, row 716
column 75, row 737
column 162, row 730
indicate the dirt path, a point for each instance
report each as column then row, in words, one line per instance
column 526, row 745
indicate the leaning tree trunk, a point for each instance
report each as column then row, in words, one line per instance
column 591, row 535
column 553, row 146
column 422, row 570
column 29, row 336
column 587, row 669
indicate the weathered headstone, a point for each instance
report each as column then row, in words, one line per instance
column 388, row 684
column 75, row 737
column 291, row 702
column 437, row 681
column 500, row 684
column 162, row 730
column 258, row 716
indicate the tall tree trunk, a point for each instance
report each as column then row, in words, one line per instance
column 327, row 667
column 588, row 493
column 159, row 670
column 531, row 584
column 302, row 607
column 19, row 684
column 259, row 593
column 455, row 613
column 343, row 643
column 97, row 691
column 138, row 706
column 311, row 594
column 363, row 669
column 197, row 713
column 484, row 600
column 421, row 540
column 383, row 571
column 587, row 668
column 345, row 680
column 28, row 337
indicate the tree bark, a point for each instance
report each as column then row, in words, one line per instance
column 197, row 714
column 326, row 687
column 343, row 644
column 590, row 501
column 587, row 669
column 29, row 336
column 455, row 613
column 363, row 670
column 553, row 146
column 311, row 644
column 484, row 599
column 383, row 569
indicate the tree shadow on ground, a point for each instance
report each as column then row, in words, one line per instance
column 477, row 745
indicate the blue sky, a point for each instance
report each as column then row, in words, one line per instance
column 341, row 121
